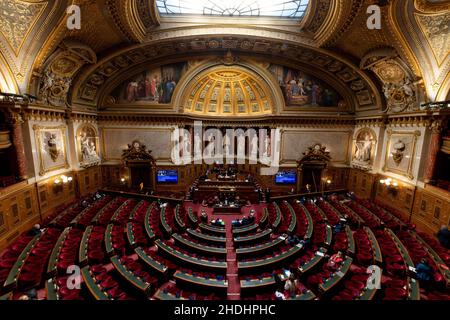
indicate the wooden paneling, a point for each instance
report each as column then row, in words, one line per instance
column 431, row 209
column 19, row 210
column 89, row 180
column 361, row 183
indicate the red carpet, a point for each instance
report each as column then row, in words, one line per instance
column 234, row 287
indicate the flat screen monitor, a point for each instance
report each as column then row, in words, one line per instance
column 167, row 176
column 286, row 178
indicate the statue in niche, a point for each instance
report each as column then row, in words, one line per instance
column 364, row 148
column 227, row 144
column 186, row 143
column 399, row 149
column 197, row 145
column 241, row 145
column 52, row 146
column 88, row 147
column 254, row 147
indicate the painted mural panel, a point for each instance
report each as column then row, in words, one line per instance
column 302, row 90
column 154, row 86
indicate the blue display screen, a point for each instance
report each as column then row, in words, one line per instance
column 286, row 178
column 167, row 176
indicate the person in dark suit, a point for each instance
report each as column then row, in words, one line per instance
column 444, row 237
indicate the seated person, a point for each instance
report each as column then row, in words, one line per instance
column 36, row 230
column 204, row 216
column 338, row 227
column 291, row 285
column 236, row 223
column 293, row 240
column 335, row 261
column 423, row 271
column 444, row 237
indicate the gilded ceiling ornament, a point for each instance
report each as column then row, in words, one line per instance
column 437, row 31
column 17, row 18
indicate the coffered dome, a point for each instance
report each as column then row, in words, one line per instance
column 228, row 91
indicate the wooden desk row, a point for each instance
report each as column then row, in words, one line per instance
column 92, row 286
column 83, row 253
column 277, row 221
column 212, row 229
column 108, row 240
column 197, row 246
column 436, row 258
column 260, row 247
column 221, row 265
column 148, row 228
column 245, row 229
column 192, row 217
column 265, row 217
column 53, row 260
column 165, row 225
column 205, row 237
column 199, row 281
column 130, row 277
column 375, row 246
column 178, row 218
column 152, row 263
column 293, row 223
column 331, row 282
column 313, row 262
column 141, row 203
column 245, row 265
column 351, row 240
column 413, row 284
column 254, row 237
column 11, row 280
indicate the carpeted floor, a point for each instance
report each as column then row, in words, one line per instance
column 234, row 288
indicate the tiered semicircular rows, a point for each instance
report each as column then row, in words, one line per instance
column 130, row 248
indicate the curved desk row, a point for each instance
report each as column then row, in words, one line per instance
column 165, row 225
column 108, row 240
column 331, row 282
column 261, row 247
column 277, row 221
column 205, row 237
column 11, row 280
column 192, row 217
column 120, row 208
column 254, row 237
column 94, row 289
column 197, row 246
column 221, row 265
column 265, row 217
column 413, row 284
column 152, row 263
column 375, row 246
column 245, row 265
column 293, row 223
column 313, row 262
column 203, row 282
column 53, row 260
column 163, row 295
column 178, row 218
column 139, row 205
column 147, row 226
column 245, row 229
column 83, row 253
column 129, row 276
column 351, row 240
column 212, row 229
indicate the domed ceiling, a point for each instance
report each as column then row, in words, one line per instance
column 228, row 91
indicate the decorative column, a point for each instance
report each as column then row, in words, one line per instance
column 435, row 142
column 16, row 122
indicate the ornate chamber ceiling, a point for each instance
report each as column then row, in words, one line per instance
column 331, row 40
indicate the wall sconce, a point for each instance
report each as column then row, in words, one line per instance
column 391, row 185
column 58, row 183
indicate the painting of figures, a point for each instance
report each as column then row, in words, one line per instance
column 155, row 86
column 301, row 89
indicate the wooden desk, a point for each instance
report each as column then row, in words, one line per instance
column 221, row 265
column 208, row 283
column 52, row 270
column 213, row 229
column 245, row 265
column 375, row 246
column 337, row 277
column 178, row 218
column 126, row 274
column 245, row 229
column 155, row 265
column 161, row 295
column 165, row 225
column 83, row 253
column 94, row 289
column 260, row 248
column 197, row 246
column 205, row 237
column 314, row 261
column 254, row 237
